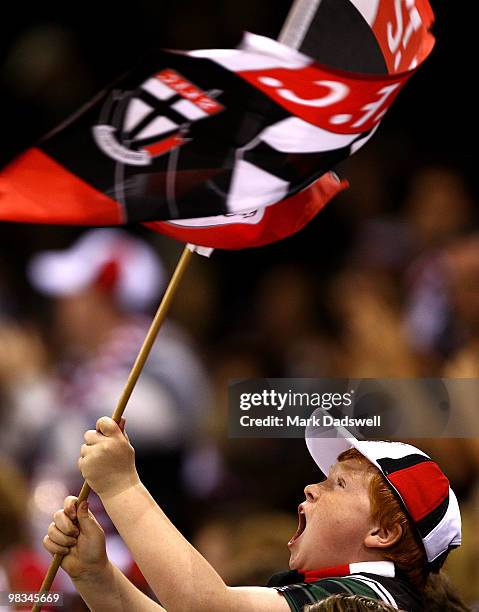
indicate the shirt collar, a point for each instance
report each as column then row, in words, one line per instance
column 380, row 568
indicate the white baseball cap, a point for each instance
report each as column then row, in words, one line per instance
column 417, row 480
column 139, row 275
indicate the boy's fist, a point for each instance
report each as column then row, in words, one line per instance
column 76, row 534
column 107, row 459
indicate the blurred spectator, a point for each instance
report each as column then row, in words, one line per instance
column 463, row 568
column 372, row 343
column 25, row 393
column 462, row 268
column 438, row 207
column 288, row 324
column 14, row 502
column 100, row 287
column 21, row 567
column 196, row 302
column 101, row 290
column 427, row 316
column 285, row 307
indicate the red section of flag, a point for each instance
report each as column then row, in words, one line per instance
column 278, row 221
column 190, row 92
column 420, row 500
column 36, row 189
column 333, row 100
column 402, row 31
column 162, row 146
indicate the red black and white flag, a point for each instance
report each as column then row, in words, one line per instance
column 226, row 148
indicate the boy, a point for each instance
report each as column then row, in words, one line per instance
column 383, row 520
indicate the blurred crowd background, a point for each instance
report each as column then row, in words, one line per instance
column 383, row 283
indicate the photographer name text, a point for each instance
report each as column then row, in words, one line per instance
column 325, row 420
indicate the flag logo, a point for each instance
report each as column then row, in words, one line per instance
column 135, row 127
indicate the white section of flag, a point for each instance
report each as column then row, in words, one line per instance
column 368, row 9
column 158, row 126
column 201, row 250
column 255, row 53
column 268, row 46
column 137, row 110
column 189, row 110
column 293, row 135
column 158, row 89
column 252, row 187
column 250, row 218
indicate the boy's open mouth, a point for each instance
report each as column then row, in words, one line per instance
column 301, row 526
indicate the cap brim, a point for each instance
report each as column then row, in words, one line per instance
column 325, row 443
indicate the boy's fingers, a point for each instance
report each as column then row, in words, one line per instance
column 54, row 548
column 65, row 524
column 69, row 506
column 82, row 511
column 91, row 436
column 122, row 425
column 58, row 537
column 107, row 426
column 88, row 523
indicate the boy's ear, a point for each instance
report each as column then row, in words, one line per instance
column 383, row 537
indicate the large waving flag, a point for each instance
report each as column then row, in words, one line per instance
column 226, row 148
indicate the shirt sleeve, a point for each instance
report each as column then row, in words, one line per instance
column 302, row 594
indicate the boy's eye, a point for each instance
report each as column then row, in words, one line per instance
column 341, row 483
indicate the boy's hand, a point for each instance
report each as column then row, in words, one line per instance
column 82, row 542
column 107, row 460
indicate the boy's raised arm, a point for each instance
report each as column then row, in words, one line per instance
column 111, row 591
column 181, row 578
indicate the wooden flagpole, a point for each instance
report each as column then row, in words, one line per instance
column 127, row 391
column 292, row 34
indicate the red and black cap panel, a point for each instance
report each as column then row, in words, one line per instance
column 425, row 505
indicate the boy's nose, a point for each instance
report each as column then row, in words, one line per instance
column 312, row 492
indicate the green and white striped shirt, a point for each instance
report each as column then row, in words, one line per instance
column 377, row 580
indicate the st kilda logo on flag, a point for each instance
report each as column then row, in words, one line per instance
column 137, row 127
